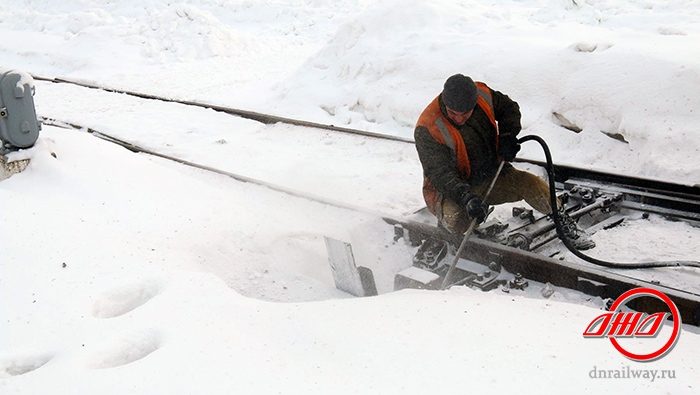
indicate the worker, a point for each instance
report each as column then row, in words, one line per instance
column 461, row 138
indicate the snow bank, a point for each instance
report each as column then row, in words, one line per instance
column 213, row 49
column 128, row 274
column 123, row 273
column 607, row 66
column 627, row 69
column 198, row 336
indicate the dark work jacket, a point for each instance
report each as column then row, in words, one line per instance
column 439, row 163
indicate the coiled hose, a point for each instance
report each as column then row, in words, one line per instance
column 560, row 227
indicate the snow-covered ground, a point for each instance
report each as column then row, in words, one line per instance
column 124, row 273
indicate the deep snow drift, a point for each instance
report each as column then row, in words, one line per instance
column 624, row 68
column 122, row 273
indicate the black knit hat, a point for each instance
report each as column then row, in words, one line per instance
column 459, row 93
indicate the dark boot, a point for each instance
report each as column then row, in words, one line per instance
column 578, row 237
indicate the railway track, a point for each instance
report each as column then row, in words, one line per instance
column 641, row 195
column 563, row 172
column 252, row 115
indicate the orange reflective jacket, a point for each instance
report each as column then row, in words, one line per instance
column 442, row 130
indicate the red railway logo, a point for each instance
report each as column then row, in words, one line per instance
column 615, row 324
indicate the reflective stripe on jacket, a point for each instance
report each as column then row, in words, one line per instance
column 444, row 132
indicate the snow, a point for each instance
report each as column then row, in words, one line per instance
column 125, row 273
column 251, row 148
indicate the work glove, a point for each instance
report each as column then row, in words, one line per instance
column 508, row 146
column 477, row 209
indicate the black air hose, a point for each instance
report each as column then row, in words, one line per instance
column 560, row 231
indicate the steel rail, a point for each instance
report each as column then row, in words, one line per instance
column 589, row 279
column 247, row 114
column 533, row 266
column 133, row 147
column 563, row 172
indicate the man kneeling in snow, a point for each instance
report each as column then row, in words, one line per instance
column 460, row 146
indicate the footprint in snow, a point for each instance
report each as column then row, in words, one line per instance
column 671, row 31
column 21, row 365
column 590, row 47
column 126, row 350
column 124, row 299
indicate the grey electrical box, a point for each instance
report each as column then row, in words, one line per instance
column 19, row 126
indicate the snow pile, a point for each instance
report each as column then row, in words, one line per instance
column 118, row 291
column 375, row 175
column 155, row 31
column 207, row 48
column 123, row 273
column 626, row 69
column 118, row 285
column 609, row 67
column 105, row 33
